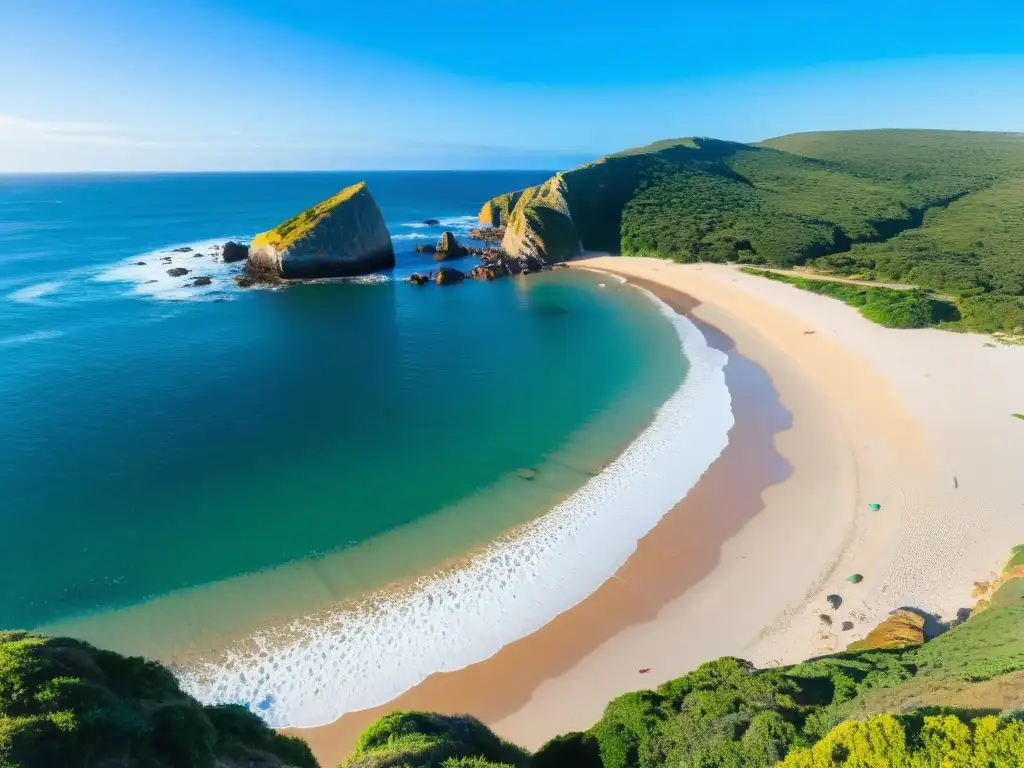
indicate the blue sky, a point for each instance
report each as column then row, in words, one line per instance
column 311, row 84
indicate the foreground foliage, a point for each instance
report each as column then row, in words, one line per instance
column 885, row 306
column 938, row 741
column 64, row 703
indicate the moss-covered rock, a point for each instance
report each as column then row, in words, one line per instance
column 342, row 236
column 64, row 703
column 496, row 211
column 901, row 629
column 541, row 225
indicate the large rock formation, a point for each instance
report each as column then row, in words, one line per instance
column 541, row 226
column 496, row 211
column 342, row 236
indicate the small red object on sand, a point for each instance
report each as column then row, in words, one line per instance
column 645, row 670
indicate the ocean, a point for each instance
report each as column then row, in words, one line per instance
column 307, row 499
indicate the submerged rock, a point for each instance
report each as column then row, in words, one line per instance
column 183, row 249
column 200, row 281
column 342, row 236
column 417, row 279
column 426, row 248
column 432, row 222
column 233, row 251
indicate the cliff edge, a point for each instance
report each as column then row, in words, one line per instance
column 541, row 226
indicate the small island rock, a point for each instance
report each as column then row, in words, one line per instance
column 448, row 248
column 342, row 236
column 177, row 272
column 448, row 276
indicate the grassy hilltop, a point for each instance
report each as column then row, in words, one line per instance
column 955, row 701
column 943, row 210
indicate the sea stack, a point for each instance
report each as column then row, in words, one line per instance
column 342, row 236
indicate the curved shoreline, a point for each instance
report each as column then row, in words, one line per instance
column 675, row 555
column 327, row 668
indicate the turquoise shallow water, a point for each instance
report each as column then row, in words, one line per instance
column 159, row 448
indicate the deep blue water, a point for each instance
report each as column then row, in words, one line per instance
column 155, row 437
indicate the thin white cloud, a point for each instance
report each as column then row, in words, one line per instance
column 14, row 126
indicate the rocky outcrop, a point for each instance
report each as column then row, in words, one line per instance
column 901, row 629
column 177, row 272
column 496, row 211
column 417, row 279
column 342, row 236
column 541, row 225
column 448, row 276
column 495, row 264
column 448, row 248
column 487, row 234
column 233, row 251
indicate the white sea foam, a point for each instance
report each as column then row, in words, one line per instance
column 453, row 223
column 31, row 294
column 414, row 236
column 148, row 272
column 313, row 671
column 28, row 338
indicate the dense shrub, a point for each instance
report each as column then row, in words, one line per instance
column 65, row 703
column 427, row 740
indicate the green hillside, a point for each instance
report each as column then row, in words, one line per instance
column 941, row 209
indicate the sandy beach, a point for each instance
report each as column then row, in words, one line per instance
column 832, row 413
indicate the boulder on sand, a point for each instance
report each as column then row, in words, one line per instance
column 901, row 629
column 342, row 236
column 233, row 251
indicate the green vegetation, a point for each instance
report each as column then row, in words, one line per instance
column 938, row 741
column 540, row 224
column 885, row 306
column 288, row 232
column 1019, row 415
column 496, row 211
column 939, row 209
column 433, row 741
column 65, row 703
